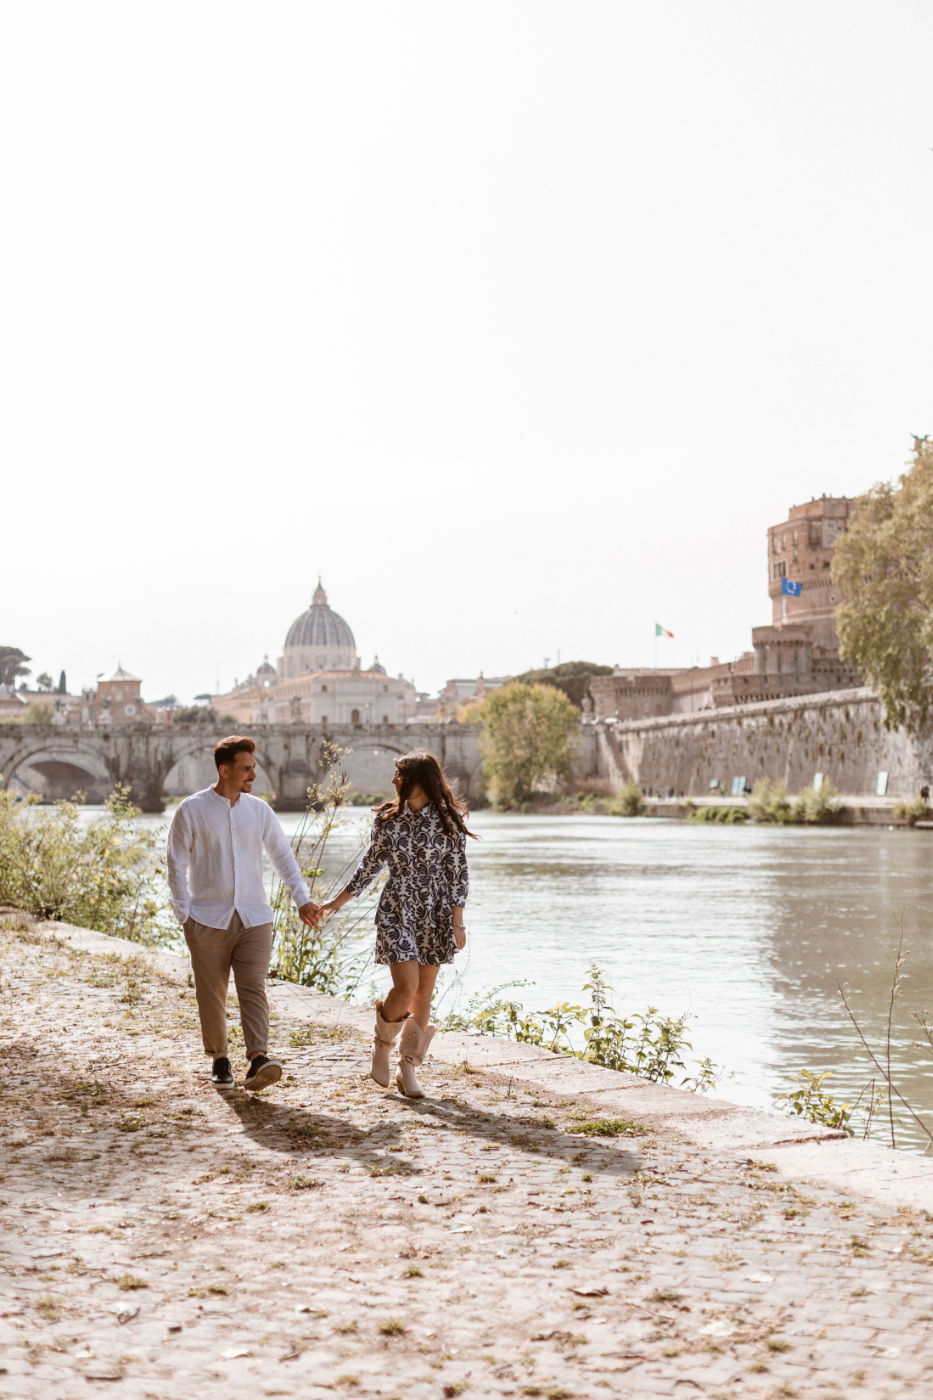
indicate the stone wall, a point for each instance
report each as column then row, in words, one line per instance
column 840, row 735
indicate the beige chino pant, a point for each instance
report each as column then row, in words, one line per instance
column 214, row 951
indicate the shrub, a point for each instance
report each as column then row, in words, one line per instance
column 816, row 808
column 916, row 810
column 726, row 816
column 101, row 875
column 629, row 802
column 769, row 802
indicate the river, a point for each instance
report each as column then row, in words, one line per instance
column 748, row 929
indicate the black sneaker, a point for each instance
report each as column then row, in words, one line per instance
column 221, row 1076
column 262, row 1072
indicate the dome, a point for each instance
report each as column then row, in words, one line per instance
column 266, row 669
column 318, row 640
column 378, row 667
column 320, row 626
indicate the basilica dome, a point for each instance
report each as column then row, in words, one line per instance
column 318, row 640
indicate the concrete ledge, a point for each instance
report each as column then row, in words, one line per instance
column 795, row 1147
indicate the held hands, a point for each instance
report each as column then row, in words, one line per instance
column 334, row 906
column 310, row 914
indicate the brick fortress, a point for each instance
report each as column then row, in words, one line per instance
column 798, row 654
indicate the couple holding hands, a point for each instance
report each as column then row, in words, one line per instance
column 214, row 858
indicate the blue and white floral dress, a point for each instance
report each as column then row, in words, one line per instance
column 427, row 878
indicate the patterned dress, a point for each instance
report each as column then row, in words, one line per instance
column 427, row 878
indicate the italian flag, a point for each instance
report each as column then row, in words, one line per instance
column 660, row 631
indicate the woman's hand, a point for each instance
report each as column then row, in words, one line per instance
column 460, row 936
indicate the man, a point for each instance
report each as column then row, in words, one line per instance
column 215, row 846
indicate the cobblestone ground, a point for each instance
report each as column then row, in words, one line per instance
column 160, row 1239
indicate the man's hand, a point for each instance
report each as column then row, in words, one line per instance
column 310, row 914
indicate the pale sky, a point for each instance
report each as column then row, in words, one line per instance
column 518, row 322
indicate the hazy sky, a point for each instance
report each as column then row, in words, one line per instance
column 519, row 323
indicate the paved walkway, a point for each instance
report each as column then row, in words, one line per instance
column 162, row 1240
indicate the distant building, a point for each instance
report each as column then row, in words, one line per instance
column 318, row 640
column 319, row 680
column 463, row 690
column 798, row 654
column 801, row 549
column 118, row 701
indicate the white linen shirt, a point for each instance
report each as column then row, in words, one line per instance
column 214, row 860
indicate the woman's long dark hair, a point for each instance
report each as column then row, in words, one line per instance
column 423, row 770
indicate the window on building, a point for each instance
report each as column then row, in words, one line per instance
column 323, row 689
column 385, row 719
column 323, row 719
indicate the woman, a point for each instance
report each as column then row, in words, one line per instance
column 421, row 837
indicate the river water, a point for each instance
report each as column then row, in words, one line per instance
column 748, row 929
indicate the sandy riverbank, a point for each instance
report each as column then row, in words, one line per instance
column 161, row 1240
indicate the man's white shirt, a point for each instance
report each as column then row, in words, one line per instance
column 215, row 860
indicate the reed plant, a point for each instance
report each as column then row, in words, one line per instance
column 336, row 956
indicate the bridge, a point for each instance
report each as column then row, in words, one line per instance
column 58, row 760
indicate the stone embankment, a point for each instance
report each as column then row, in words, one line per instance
column 535, row 1227
column 840, row 734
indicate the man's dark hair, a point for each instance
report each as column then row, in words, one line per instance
column 226, row 750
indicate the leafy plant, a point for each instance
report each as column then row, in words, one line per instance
column 102, row 875
column 650, row 1045
column 812, row 1101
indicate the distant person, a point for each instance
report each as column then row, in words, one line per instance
column 925, row 793
column 215, row 846
column 421, row 837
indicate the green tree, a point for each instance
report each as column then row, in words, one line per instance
column 528, row 739
column 44, row 681
column 572, row 677
column 39, row 712
column 883, row 574
column 12, row 664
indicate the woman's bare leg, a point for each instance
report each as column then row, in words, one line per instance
column 412, row 989
column 421, row 1001
column 404, row 986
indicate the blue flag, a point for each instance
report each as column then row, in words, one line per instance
column 791, row 589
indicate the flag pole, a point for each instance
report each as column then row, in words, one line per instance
column 655, row 646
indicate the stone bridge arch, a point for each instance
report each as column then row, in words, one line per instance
column 292, row 757
column 52, row 766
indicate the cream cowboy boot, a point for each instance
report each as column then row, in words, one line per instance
column 383, row 1040
column 412, row 1049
